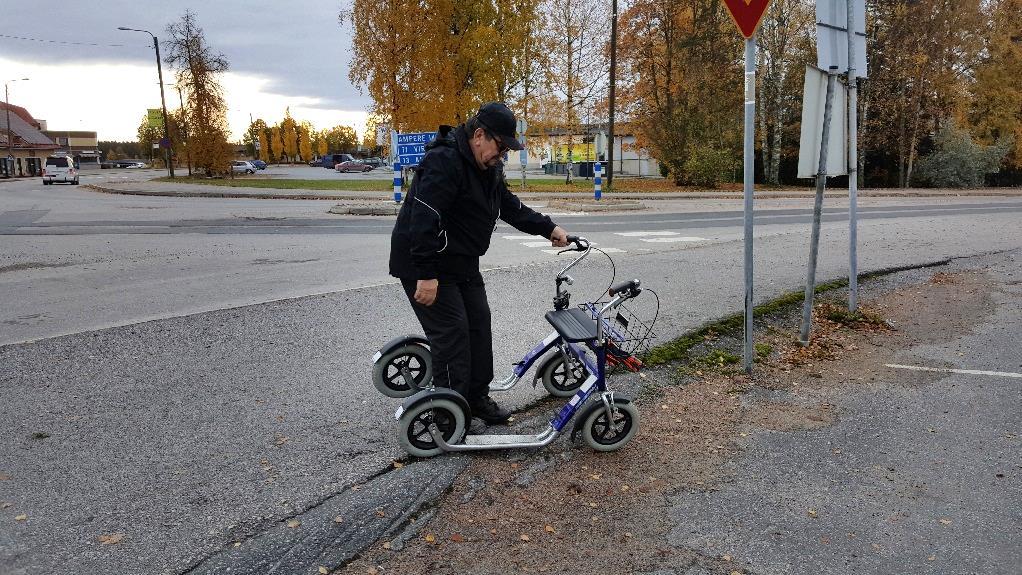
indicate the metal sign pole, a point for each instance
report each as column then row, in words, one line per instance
column 853, row 164
column 749, row 166
column 821, row 184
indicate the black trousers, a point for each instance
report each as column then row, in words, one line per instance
column 457, row 326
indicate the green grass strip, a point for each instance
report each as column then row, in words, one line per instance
column 677, row 349
column 266, row 183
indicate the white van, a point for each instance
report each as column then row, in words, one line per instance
column 60, row 169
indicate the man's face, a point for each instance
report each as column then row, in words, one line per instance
column 487, row 150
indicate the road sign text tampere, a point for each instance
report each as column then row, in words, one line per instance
column 412, row 147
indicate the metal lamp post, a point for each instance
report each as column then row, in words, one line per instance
column 7, row 106
column 163, row 100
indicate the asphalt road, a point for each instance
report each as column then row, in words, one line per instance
column 245, row 401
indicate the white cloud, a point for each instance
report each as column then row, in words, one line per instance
column 111, row 99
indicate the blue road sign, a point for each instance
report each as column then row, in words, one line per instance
column 412, row 147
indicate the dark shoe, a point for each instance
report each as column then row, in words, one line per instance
column 487, row 410
column 476, row 426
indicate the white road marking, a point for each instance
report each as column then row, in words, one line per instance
column 673, row 239
column 536, row 244
column 643, row 234
column 949, row 370
column 520, row 238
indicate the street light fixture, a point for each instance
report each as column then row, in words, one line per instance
column 163, row 100
column 10, row 142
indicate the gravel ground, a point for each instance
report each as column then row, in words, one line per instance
column 823, row 461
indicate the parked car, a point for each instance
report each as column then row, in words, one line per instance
column 122, row 164
column 375, row 162
column 353, row 166
column 259, row 164
column 60, row 169
column 331, row 160
column 242, row 167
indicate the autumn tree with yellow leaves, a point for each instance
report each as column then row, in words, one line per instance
column 198, row 70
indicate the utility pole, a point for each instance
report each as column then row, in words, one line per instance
column 163, row 100
column 613, row 75
column 184, row 128
column 10, row 142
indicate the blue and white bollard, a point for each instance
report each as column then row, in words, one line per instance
column 597, row 181
column 397, row 182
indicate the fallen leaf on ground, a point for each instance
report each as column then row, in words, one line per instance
column 380, row 513
column 524, row 537
column 112, row 539
column 457, row 538
column 21, row 517
column 726, row 558
column 386, row 544
column 812, row 512
column 280, row 441
column 292, row 523
column 548, row 529
column 945, row 521
column 430, row 538
column 398, row 465
column 4, row 477
column 323, row 570
column 338, row 519
column 372, row 571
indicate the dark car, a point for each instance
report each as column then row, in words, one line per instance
column 331, row 160
column 259, row 164
column 353, row 166
column 375, row 162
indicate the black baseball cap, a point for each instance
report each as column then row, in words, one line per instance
column 499, row 120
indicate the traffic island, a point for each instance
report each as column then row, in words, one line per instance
column 597, row 206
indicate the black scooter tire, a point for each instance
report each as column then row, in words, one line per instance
column 413, row 426
column 548, row 374
column 386, row 371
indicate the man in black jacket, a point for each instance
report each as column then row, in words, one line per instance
column 443, row 228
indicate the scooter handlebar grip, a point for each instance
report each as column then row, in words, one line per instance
column 625, row 286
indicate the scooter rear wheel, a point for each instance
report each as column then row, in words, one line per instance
column 604, row 435
column 413, row 427
column 388, row 377
column 557, row 379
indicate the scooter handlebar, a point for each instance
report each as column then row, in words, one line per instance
column 629, row 288
column 581, row 244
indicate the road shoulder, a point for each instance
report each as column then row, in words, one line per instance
column 827, row 460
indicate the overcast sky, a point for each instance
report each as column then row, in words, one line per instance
column 84, row 74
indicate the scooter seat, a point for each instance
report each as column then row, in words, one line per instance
column 574, row 325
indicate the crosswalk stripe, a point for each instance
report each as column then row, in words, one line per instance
column 519, row 237
column 678, row 239
column 643, row 234
column 536, row 244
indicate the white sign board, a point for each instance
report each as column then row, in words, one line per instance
column 832, row 35
column 814, row 98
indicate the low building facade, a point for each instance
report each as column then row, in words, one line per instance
column 23, row 145
column 82, row 145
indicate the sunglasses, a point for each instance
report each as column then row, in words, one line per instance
column 502, row 148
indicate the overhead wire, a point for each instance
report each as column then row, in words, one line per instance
column 66, row 43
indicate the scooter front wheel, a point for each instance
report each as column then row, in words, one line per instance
column 610, row 435
column 403, row 371
column 558, row 379
column 413, row 427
